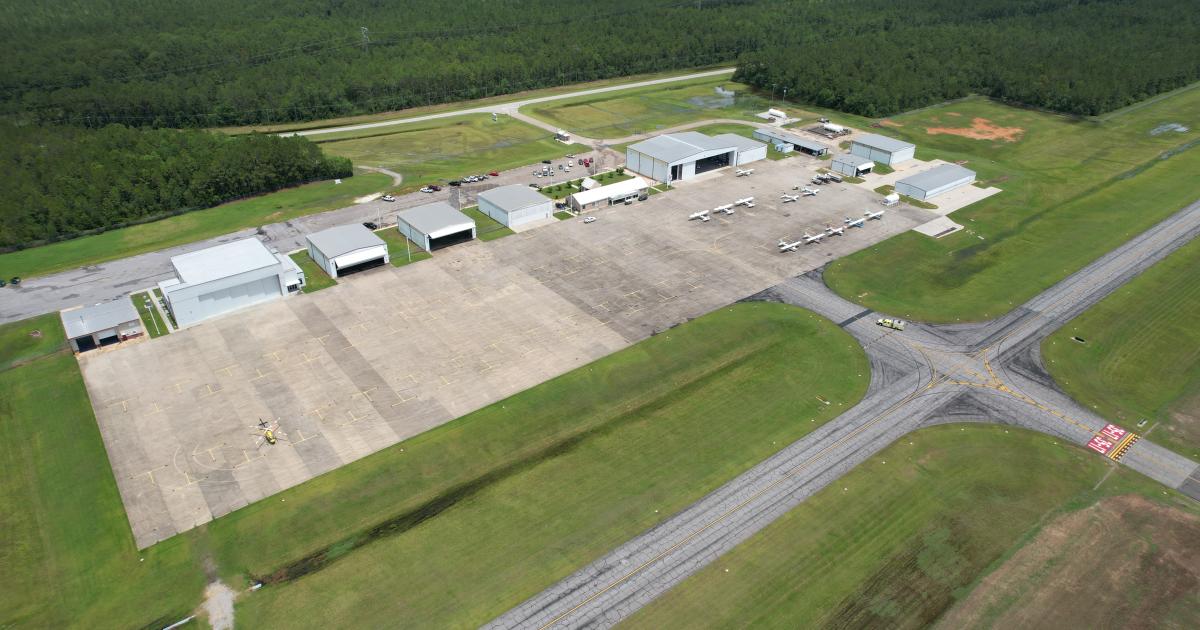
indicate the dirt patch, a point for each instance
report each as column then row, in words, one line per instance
column 1123, row 563
column 955, row 114
column 980, row 129
column 36, row 334
column 890, row 123
column 274, row 215
column 218, row 603
column 366, row 198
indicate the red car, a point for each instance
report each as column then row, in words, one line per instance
column 494, row 174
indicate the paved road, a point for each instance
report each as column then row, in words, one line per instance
column 928, row 374
column 513, row 106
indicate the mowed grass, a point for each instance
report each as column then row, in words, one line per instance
column 193, row 226
column 486, row 228
column 69, row 559
column 1073, row 190
column 448, row 148
column 619, row 114
column 1141, row 356
column 401, row 251
column 897, row 541
column 152, row 322
column 315, row 277
column 487, row 510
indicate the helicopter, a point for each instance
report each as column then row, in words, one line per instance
column 268, row 433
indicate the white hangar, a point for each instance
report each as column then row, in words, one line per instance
column 935, row 181
column 435, row 225
column 515, row 205
column 882, row 149
column 104, row 324
column 852, row 165
column 678, row 156
column 225, row 278
column 345, row 249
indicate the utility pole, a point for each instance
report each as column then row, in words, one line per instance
column 366, row 40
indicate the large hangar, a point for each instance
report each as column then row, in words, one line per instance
column 515, row 205
column 882, row 149
column 435, row 225
column 935, row 181
column 226, row 278
column 680, row 156
column 345, row 249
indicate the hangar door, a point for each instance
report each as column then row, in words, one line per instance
column 360, row 261
column 236, row 297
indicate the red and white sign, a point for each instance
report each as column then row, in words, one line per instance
column 1112, row 432
column 1100, row 445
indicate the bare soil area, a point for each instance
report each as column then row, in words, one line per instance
column 980, row 129
column 1123, row 563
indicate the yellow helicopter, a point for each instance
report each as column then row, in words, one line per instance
column 268, row 433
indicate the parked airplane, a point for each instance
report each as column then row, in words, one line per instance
column 785, row 246
column 809, row 192
column 723, row 208
column 727, row 210
column 835, row 231
column 789, row 198
column 855, row 222
column 744, row 172
column 810, row 239
column 748, row 202
column 702, row 215
column 874, row 215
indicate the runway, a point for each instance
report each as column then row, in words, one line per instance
column 925, row 375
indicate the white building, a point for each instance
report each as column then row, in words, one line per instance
column 882, row 149
column 515, row 205
column 935, row 181
column 226, row 278
column 852, row 165
column 611, row 194
column 345, row 249
column 679, row 156
column 781, row 139
column 435, row 225
column 103, row 324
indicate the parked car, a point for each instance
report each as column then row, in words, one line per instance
column 370, row 225
column 455, row 182
column 15, row 280
column 569, row 156
column 2, row 282
column 427, row 189
column 435, row 187
column 589, row 219
column 388, row 198
column 495, row 173
column 547, row 162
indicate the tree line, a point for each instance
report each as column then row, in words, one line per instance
column 64, row 181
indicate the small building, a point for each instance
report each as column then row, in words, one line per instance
column 679, row 156
column 882, row 149
column 345, row 249
column 611, row 194
column 852, row 165
column 228, row 277
column 588, row 183
column 435, row 225
column 104, row 324
column 935, row 181
column 781, row 138
column 515, row 205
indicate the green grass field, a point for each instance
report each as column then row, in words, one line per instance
column 901, row 538
column 448, row 148
column 193, row 226
column 1141, row 358
column 152, row 322
column 401, row 251
column 558, row 473
column 68, row 556
column 1073, row 190
column 486, row 228
column 315, row 277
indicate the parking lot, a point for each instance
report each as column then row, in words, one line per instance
column 393, row 352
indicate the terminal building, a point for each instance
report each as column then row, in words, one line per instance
column 937, row 180
column 515, row 205
column 680, row 156
column 225, row 278
column 435, row 225
column 345, row 249
column 786, row 142
column 104, row 324
column 882, row 149
column 603, row 196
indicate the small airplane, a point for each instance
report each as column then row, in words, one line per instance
column 744, row 172
column 789, row 198
column 268, row 433
column 835, row 231
column 873, row 215
column 727, row 210
column 748, row 202
column 723, row 208
column 785, row 246
column 855, row 222
column 702, row 215
column 810, row 192
column 811, row 239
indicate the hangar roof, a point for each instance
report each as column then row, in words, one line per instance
column 513, row 197
column 222, row 261
column 86, row 320
column 675, row 147
column 432, row 218
column 343, row 239
column 623, row 188
column 883, row 143
column 741, row 142
column 938, row 176
column 794, row 139
column 852, row 160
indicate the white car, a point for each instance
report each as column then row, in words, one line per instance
column 424, row 190
column 391, row 198
column 589, row 219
